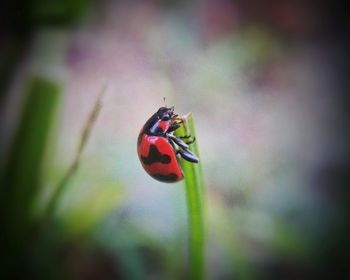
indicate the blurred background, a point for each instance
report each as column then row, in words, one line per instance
column 267, row 84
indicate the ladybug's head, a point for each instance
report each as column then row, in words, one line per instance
column 160, row 121
column 165, row 113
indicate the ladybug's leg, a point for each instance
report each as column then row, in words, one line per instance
column 187, row 155
column 176, row 123
column 173, row 144
column 173, row 128
column 178, row 142
column 189, row 139
column 183, row 149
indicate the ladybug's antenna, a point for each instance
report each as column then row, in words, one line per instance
column 164, row 102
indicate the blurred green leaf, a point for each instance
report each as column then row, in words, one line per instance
column 20, row 184
column 58, row 11
column 81, row 217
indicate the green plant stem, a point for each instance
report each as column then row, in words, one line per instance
column 55, row 199
column 194, row 194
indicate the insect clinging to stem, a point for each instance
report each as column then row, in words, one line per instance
column 159, row 150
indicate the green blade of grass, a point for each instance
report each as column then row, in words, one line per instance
column 56, row 197
column 21, row 181
column 194, row 194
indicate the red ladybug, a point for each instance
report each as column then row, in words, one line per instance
column 159, row 149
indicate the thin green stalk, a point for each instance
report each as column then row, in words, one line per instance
column 194, row 193
column 56, row 197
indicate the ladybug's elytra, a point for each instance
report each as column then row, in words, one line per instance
column 158, row 148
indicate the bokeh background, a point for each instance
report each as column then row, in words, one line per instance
column 267, row 84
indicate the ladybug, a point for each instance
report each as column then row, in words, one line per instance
column 159, row 150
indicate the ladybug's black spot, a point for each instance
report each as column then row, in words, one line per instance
column 155, row 156
column 166, row 178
